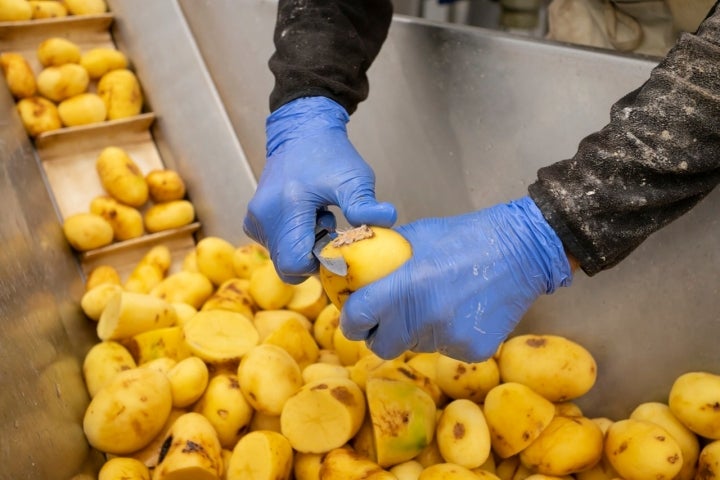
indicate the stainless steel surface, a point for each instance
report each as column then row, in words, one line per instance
column 460, row 118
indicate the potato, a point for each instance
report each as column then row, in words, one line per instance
column 693, row 399
column 225, row 406
column 708, row 466
column 220, row 336
column 166, row 342
column 126, row 221
column 399, row 370
column 38, row 115
column 161, row 365
column 143, row 278
column 56, row 51
column 128, row 412
column 261, row 456
column 516, row 416
column 308, row 298
column 127, row 314
column 87, row 231
column 349, row 351
column 430, row 455
column 568, row 409
column 553, row 366
column 165, row 185
column 473, row 381
column 370, row 253
column 188, row 380
column 93, row 302
column 184, row 312
column 269, row 376
column 102, row 274
column 124, row 468
column 120, row 90
column 57, row 83
column 169, row 215
column 360, row 370
column 231, row 295
column 86, row 7
column 319, row 371
column 150, row 454
column 325, row 325
column 263, row 421
column 344, row 464
column 267, row 289
column 426, row 363
column 248, row 257
column 191, row 451
column 103, row 362
column 447, row 471
column 82, row 109
column 294, row 338
column 15, row 10
column 409, row 470
column 462, row 434
column 189, row 263
column 47, row 9
column 638, row 450
column 660, row 414
column 184, row 287
column 306, row 466
column 332, row 408
column 403, row 419
column 121, row 177
column 101, row 60
column 18, row 75
column 267, row 321
column 215, row 259
column 567, row 445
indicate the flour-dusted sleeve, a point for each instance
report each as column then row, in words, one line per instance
column 658, row 157
column 324, row 48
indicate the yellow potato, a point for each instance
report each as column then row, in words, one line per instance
column 15, row 10
column 426, row 363
column 690, row 396
column 93, row 301
column 161, row 365
column 349, row 351
column 47, row 9
column 370, row 253
column 708, row 465
column 169, row 215
column 184, row 312
column 220, row 336
column 87, row 231
column 188, row 380
column 345, row 464
column 397, row 369
column 215, row 259
column 126, row 221
column 231, row 295
column 165, row 342
column 103, row 362
column 263, row 421
column 269, row 376
column 267, row 289
column 306, row 466
column 127, row 314
column 325, row 325
column 319, row 371
column 143, row 278
column 38, row 115
column 568, row 445
column 100, row 275
column 261, row 456
column 124, row 468
column 459, row 379
column 121, row 177
column 56, row 51
column 568, row 409
column 553, row 366
column 295, row 338
column 639, row 450
column 189, row 263
column 248, row 257
column 224, row 405
column 82, row 109
column 360, row 371
column 184, row 287
column 447, row 471
column 308, row 298
column 127, row 413
column 165, row 185
column 18, row 75
column 409, row 470
column 57, row 83
column 430, row 455
column 120, row 90
column 101, row 60
column 462, row 434
column 267, row 321
column 86, row 7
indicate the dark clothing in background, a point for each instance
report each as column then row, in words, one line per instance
column 658, row 156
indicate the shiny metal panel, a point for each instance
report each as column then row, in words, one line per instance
column 460, row 118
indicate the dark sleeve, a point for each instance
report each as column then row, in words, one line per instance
column 658, row 157
column 324, row 48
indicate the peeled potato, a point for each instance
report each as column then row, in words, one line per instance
column 57, row 51
column 18, row 75
column 165, row 185
column 370, row 253
column 57, row 83
column 38, row 115
column 86, row 231
column 267, row 288
column 215, row 259
column 82, row 109
column 120, row 90
column 101, row 60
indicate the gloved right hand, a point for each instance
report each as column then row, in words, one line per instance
column 310, row 165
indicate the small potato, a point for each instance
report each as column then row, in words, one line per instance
column 87, row 231
column 325, row 325
column 708, row 466
column 230, row 295
column 188, row 380
column 93, row 302
column 269, row 376
column 102, row 362
column 100, row 275
column 318, row 371
column 165, row 342
column 18, row 75
column 224, row 405
column 56, row 51
column 121, row 177
column 261, row 455
column 86, row 7
column 57, row 83
column 184, row 287
column 124, row 468
column 15, row 10
column 308, row 298
column 215, row 259
column 458, row 379
column 47, row 9
column 349, row 351
column 101, row 60
column 248, row 257
column 126, row 221
column 169, row 215
column 220, row 336
column 693, row 399
column 267, row 288
column 295, row 339
column 639, row 450
column 267, row 321
column 165, row 185
column 82, row 109
column 120, row 90
column 462, row 434
column 38, row 115
column 127, row 314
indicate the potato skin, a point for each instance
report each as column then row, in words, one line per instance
column 165, row 185
column 169, row 215
column 638, row 450
column 82, row 109
column 126, row 221
column 57, row 83
column 18, row 75
column 120, row 90
column 101, row 60
column 86, row 231
column 121, row 177
column 38, row 115
column 56, row 51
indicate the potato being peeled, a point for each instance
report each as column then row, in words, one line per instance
column 370, row 253
column 38, row 115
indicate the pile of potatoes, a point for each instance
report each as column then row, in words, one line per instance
column 73, row 87
column 23, row 10
column 135, row 203
column 219, row 370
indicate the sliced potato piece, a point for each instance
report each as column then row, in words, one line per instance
column 219, row 336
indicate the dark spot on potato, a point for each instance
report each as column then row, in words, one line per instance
column 407, row 373
column 164, row 448
column 343, row 395
column 458, row 430
column 222, row 413
column 623, row 446
column 234, row 383
column 673, row 459
column 392, row 421
column 536, row 342
column 192, row 447
column 143, row 398
column 321, row 386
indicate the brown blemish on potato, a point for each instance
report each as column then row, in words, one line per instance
column 192, row 447
column 392, row 421
column 164, row 448
column 673, row 459
column 233, row 383
column 222, row 413
column 459, row 371
column 407, row 373
column 526, row 436
column 321, row 386
column 623, row 446
column 343, row 395
column 458, row 430
column 712, row 406
column 536, row 342
column 660, row 438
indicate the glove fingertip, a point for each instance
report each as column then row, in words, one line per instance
column 382, row 214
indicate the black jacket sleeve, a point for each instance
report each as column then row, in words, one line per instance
column 658, row 156
column 325, row 47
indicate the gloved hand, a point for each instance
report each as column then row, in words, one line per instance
column 310, row 165
column 470, row 280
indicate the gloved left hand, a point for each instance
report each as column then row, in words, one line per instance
column 470, row 280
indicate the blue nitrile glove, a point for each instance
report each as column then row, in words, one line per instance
column 470, row 280
column 310, row 165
